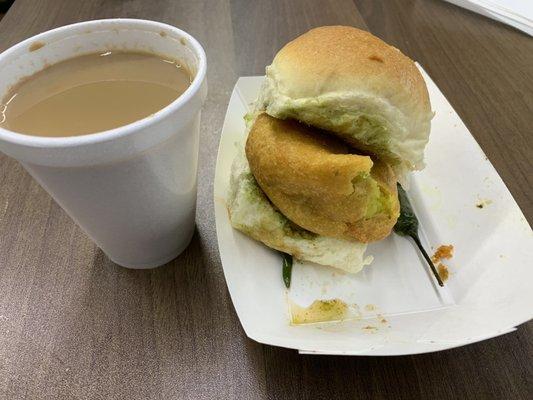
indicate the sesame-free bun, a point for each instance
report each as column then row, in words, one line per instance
column 349, row 82
column 318, row 182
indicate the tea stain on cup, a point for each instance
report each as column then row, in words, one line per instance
column 36, row 46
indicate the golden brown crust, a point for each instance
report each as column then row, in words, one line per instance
column 317, row 182
column 343, row 58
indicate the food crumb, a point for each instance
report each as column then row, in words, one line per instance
column 370, row 328
column 483, row 203
column 443, row 251
column 443, row 272
column 382, row 319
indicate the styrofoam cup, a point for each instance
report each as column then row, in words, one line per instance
column 133, row 188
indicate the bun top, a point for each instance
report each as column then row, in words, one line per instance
column 351, row 83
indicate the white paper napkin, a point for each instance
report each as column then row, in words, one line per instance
column 516, row 13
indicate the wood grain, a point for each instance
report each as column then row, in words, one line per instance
column 75, row 326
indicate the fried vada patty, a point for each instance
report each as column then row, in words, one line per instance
column 318, row 182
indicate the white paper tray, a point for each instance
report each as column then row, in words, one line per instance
column 488, row 292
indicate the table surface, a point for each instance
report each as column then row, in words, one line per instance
column 74, row 325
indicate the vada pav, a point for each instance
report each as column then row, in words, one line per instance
column 340, row 118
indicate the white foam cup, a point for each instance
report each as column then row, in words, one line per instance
column 133, row 188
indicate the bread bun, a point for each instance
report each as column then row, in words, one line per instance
column 349, row 82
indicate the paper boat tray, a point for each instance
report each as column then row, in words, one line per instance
column 459, row 199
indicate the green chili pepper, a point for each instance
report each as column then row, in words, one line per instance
column 287, row 269
column 407, row 225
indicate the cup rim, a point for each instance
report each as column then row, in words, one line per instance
column 121, row 131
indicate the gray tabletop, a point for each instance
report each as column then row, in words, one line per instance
column 73, row 325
